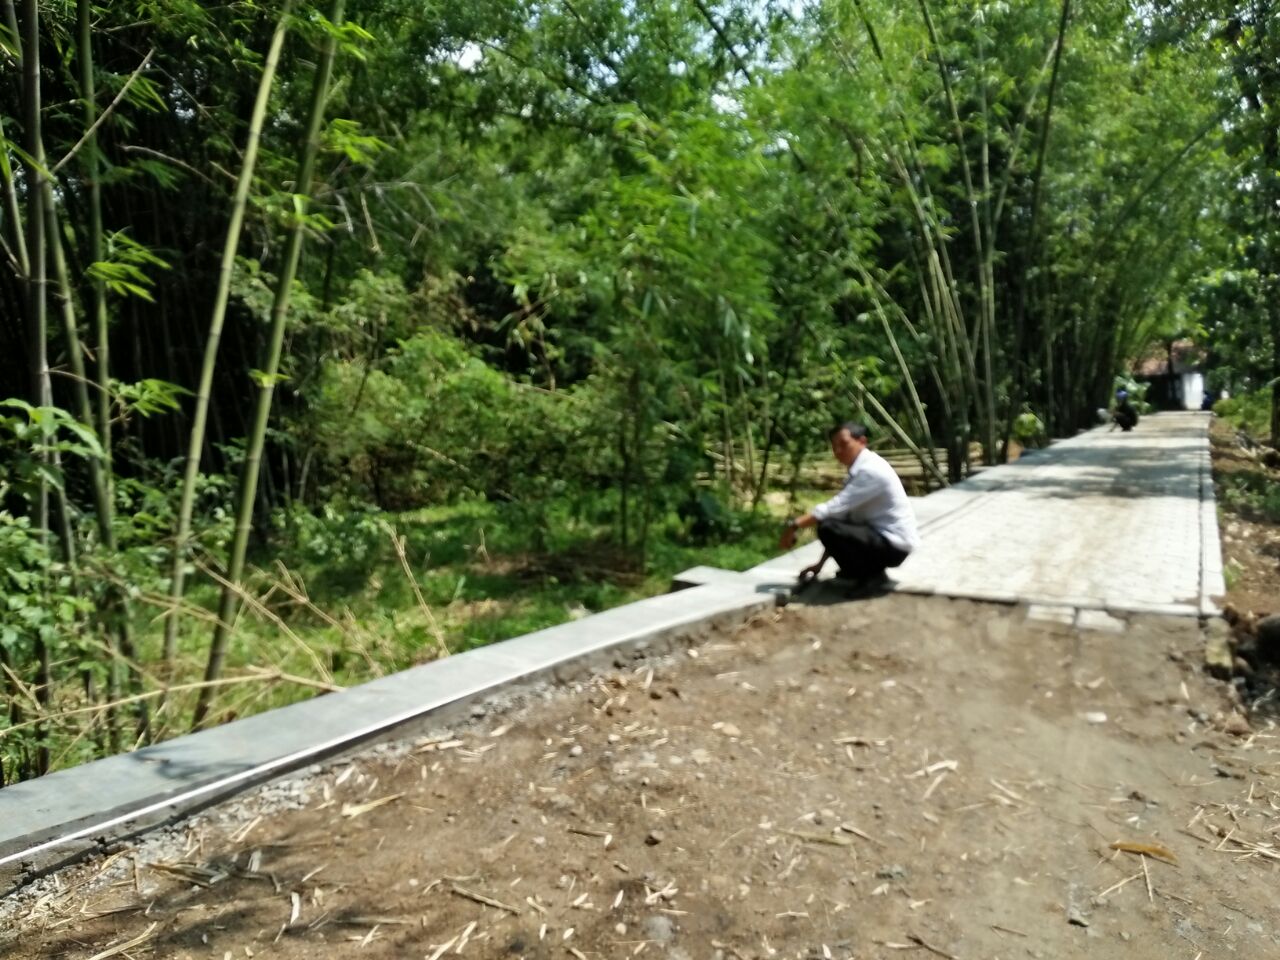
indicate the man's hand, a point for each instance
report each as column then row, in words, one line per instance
column 809, row 574
column 788, row 538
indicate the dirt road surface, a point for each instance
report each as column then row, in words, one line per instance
column 902, row 777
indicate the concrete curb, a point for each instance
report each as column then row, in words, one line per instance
column 1213, row 581
column 48, row 822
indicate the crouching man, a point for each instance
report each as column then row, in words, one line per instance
column 869, row 525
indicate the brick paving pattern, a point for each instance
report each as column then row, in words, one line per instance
column 1106, row 520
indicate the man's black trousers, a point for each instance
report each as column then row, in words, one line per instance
column 861, row 552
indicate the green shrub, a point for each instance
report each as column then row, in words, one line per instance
column 1250, row 412
column 1029, row 430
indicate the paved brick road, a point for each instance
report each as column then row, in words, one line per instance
column 1111, row 520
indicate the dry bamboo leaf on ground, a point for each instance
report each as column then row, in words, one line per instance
column 129, row 945
column 937, row 781
column 850, row 828
column 481, row 898
column 1116, row 886
column 811, row 837
column 191, row 872
column 1147, row 849
column 359, row 809
column 1005, row 790
column 1019, row 933
column 921, row 941
column 933, row 768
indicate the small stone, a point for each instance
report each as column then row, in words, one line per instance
column 659, row 928
column 729, row 730
column 575, row 750
column 478, row 710
column 620, row 929
column 654, row 838
column 1095, row 716
column 1074, row 916
column 894, row 871
column 560, row 802
column 1236, row 725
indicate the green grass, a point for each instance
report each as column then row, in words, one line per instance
column 486, row 571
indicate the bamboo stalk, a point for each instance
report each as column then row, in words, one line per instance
column 195, row 445
column 1033, row 229
column 37, row 306
column 100, row 485
column 93, row 164
column 279, row 311
column 14, row 209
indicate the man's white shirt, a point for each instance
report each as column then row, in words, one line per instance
column 873, row 494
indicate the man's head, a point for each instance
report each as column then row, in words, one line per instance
column 847, row 441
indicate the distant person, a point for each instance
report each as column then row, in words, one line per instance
column 869, row 525
column 1125, row 416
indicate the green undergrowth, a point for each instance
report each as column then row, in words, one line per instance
column 1253, row 494
column 1249, row 412
column 1250, row 490
column 336, row 605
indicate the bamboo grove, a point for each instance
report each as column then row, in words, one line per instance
column 268, row 262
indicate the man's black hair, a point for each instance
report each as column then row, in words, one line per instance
column 856, row 430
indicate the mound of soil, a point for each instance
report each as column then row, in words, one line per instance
column 903, row 776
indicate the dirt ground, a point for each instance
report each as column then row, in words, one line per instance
column 887, row 778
